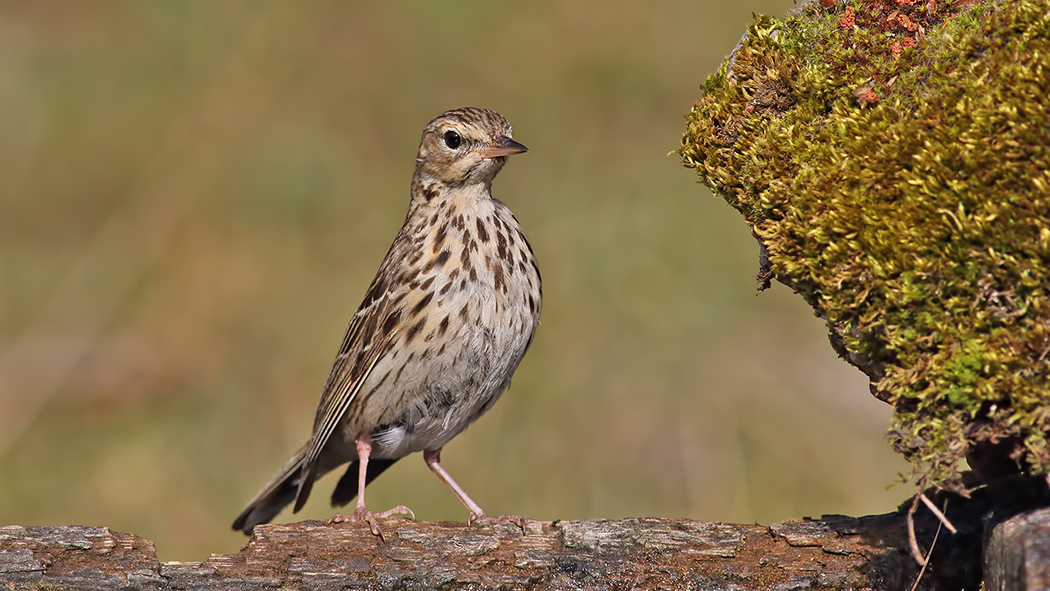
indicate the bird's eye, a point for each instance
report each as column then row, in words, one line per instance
column 452, row 139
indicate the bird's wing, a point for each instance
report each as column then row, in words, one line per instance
column 367, row 338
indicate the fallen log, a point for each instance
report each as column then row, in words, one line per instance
column 833, row 552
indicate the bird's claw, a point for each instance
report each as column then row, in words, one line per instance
column 371, row 518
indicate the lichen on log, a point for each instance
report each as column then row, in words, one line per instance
column 892, row 157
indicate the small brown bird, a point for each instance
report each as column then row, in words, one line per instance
column 442, row 328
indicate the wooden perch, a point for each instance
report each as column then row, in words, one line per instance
column 837, row 552
column 833, row 552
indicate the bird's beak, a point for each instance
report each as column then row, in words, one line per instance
column 503, row 146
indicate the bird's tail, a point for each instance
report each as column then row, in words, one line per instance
column 285, row 488
column 276, row 495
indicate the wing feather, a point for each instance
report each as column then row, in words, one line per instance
column 367, row 338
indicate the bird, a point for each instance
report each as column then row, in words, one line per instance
column 443, row 326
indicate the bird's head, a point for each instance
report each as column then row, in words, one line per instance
column 465, row 146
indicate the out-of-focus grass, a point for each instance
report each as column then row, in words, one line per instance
column 194, row 196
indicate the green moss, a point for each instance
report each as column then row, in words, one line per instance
column 893, row 160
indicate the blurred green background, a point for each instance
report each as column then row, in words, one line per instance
column 194, row 196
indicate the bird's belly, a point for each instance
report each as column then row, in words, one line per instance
column 421, row 396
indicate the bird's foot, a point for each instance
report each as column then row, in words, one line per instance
column 476, row 517
column 371, row 518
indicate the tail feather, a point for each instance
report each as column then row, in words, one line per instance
column 346, row 489
column 275, row 496
column 305, row 484
column 290, row 485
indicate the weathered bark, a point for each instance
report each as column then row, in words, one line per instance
column 1018, row 555
column 834, row 552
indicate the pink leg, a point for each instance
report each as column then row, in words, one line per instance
column 361, row 512
column 433, row 460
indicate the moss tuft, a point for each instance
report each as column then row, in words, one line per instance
column 892, row 158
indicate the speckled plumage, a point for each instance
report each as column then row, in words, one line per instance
column 447, row 319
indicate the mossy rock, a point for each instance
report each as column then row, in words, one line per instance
column 891, row 157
